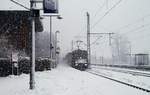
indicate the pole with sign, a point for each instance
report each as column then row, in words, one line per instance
column 50, row 6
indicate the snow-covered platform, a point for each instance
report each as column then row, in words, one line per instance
column 65, row 80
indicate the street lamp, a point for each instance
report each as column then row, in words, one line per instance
column 58, row 17
column 56, row 48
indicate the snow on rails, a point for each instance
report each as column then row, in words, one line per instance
column 94, row 72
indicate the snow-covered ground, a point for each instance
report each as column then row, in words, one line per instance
column 65, row 80
column 137, row 80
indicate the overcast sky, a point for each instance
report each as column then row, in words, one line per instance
column 133, row 13
column 130, row 18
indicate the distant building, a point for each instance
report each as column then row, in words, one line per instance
column 141, row 59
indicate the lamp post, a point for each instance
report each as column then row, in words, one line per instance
column 50, row 38
column 130, row 53
column 32, row 72
column 58, row 17
column 56, row 40
column 32, row 55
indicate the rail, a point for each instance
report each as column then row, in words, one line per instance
column 131, row 85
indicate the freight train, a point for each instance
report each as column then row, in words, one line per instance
column 78, row 59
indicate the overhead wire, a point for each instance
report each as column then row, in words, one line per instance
column 98, row 21
column 131, row 31
column 130, row 24
column 95, row 40
column 137, row 28
column 141, row 35
column 126, row 26
column 103, row 16
column 99, row 9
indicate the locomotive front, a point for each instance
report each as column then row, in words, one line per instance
column 79, row 59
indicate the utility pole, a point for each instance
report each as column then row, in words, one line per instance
column 109, row 35
column 56, row 49
column 50, row 41
column 130, row 53
column 50, row 16
column 32, row 72
column 50, row 36
column 118, row 50
column 110, row 38
column 72, row 44
column 88, row 39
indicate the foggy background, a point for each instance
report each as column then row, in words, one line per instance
column 129, row 18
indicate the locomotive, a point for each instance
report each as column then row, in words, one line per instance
column 78, row 59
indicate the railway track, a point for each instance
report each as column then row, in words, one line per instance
column 133, row 67
column 125, row 83
column 126, row 71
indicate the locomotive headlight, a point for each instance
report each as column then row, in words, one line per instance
column 85, row 64
column 76, row 64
